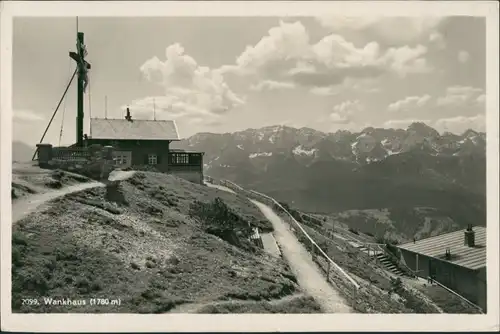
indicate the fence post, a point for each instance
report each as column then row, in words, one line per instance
column 312, row 249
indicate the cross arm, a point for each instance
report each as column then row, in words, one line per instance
column 76, row 57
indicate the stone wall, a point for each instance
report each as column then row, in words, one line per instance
column 94, row 161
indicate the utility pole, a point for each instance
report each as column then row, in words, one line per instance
column 106, row 107
column 82, row 73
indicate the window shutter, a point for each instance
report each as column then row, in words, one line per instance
column 146, row 160
column 158, row 159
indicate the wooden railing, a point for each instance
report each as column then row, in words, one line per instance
column 315, row 248
column 73, row 153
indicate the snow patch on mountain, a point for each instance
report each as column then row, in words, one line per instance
column 361, row 136
column 299, row 150
column 369, row 160
column 391, row 152
column 240, row 147
column 260, row 154
column 353, row 147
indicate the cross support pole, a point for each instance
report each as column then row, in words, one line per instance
column 55, row 111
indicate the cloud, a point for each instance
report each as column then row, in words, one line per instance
column 347, row 126
column 342, row 112
column 337, row 118
column 404, row 123
column 390, row 30
column 286, row 41
column 460, row 96
column 190, row 89
column 348, row 107
column 409, row 102
column 460, row 124
column 364, row 85
column 170, row 107
column 436, row 39
column 457, row 124
column 406, row 60
column 272, row 85
column 334, row 53
column 26, row 116
column 463, row 56
column 286, row 53
column 481, row 99
column 324, row 91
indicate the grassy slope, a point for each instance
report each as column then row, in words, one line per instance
column 137, row 241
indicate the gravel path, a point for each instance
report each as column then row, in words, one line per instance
column 24, row 207
column 307, row 272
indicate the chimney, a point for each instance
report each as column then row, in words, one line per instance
column 447, row 255
column 469, row 236
column 128, row 117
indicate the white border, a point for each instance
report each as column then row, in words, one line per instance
column 223, row 323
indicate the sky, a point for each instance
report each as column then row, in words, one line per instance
column 223, row 74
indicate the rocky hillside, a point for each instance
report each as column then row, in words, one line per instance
column 396, row 170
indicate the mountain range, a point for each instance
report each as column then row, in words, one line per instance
column 402, row 172
column 22, row 152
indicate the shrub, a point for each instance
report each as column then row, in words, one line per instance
column 353, row 231
column 221, row 221
column 54, row 184
column 19, row 239
column 17, row 260
column 285, row 206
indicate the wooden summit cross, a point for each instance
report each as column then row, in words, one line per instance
column 82, row 70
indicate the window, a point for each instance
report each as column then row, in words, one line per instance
column 152, row 159
column 180, row 158
column 195, row 159
column 120, row 160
